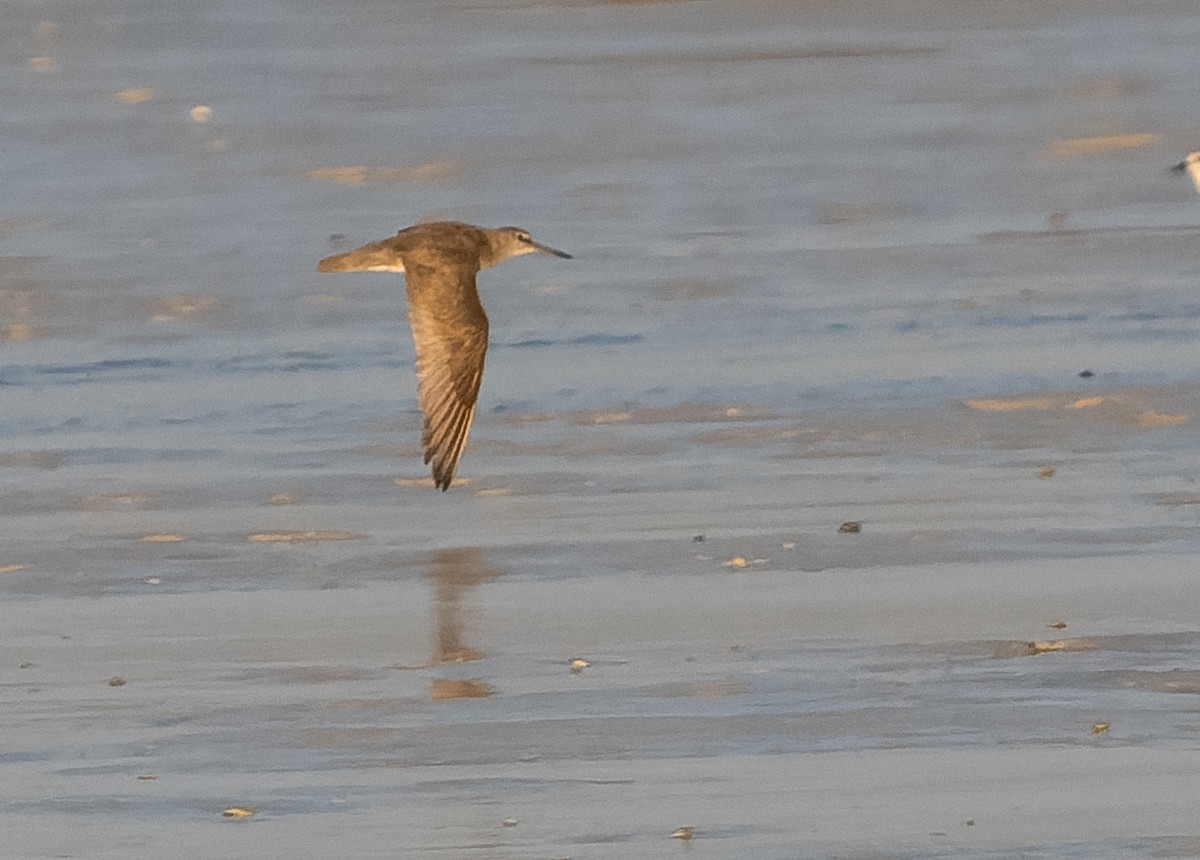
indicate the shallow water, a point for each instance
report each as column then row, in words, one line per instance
column 834, row 262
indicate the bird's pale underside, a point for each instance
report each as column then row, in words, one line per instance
column 450, row 329
column 1190, row 166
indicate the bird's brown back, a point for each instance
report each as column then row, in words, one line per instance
column 442, row 243
column 434, row 244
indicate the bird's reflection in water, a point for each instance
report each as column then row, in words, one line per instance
column 454, row 573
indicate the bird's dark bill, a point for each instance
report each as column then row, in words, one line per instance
column 546, row 249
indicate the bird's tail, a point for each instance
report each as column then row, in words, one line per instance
column 373, row 257
column 337, row 263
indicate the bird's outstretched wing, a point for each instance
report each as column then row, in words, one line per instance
column 450, row 331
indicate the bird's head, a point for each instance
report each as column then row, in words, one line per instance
column 514, row 241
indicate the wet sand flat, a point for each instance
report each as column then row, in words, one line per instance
column 837, row 500
column 789, row 712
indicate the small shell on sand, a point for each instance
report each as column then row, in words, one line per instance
column 1099, row 728
column 684, row 833
column 239, row 812
column 200, row 114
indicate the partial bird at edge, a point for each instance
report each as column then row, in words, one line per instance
column 1190, row 166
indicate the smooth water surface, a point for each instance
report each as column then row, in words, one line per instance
column 919, row 265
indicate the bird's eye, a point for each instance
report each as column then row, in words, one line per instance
column 524, row 237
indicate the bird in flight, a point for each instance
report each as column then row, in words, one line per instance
column 1190, row 166
column 439, row 261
